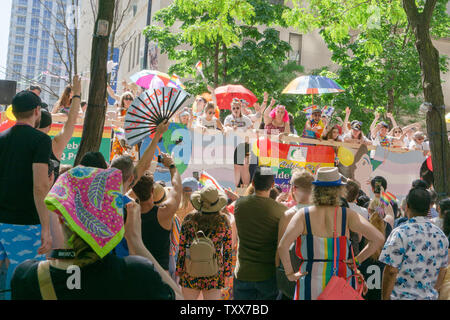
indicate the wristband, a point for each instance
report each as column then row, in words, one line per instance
column 172, row 166
column 357, row 262
column 76, row 96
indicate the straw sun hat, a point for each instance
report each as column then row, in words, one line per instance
column 328, row 177
column 208, row 199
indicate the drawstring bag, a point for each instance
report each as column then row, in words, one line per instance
column 339, row 288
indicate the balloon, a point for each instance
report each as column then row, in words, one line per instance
column 345, row 156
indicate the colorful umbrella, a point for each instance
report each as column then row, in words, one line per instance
column 225, row 95
column 145, row 78
column 447, row 117
column 312, row 85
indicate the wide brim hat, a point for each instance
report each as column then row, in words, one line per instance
column 209, row 199
column 159, row 193
column 328, row 177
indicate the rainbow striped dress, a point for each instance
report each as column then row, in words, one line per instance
column 316, row 254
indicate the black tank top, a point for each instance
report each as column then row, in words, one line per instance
column 156, row 239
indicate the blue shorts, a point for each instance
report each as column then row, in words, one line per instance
column 18, row 243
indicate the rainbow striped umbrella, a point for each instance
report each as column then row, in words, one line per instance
column 312, row 85
column 144, row 79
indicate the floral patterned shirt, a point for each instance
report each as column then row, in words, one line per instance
column 418, row 249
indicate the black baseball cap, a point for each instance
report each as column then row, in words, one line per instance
column 46, row 119
column 25, row 101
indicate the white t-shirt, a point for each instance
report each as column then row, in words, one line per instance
column 209, row 124
column 423, row 146
column 360, row 210
column 243, row 122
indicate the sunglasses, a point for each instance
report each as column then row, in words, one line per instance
column 129, row 98
column 210, row 112
column 199, row 100
column 235, row 108
column 397, row 132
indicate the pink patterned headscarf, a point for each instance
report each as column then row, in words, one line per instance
column 90, row 201
column 273, row 113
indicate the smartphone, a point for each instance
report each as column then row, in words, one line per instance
column 159, row 159
column 377, row 188
column 195, row 175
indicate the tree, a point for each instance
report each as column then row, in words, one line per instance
column 224, row 35
column 420, row 22
column 340, row 17
column 95, row 114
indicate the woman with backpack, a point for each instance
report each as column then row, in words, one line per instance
column 205, row 250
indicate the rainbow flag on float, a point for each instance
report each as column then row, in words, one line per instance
column 309, row 110
column 206, row 179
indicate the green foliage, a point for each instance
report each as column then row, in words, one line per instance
column 255, row 59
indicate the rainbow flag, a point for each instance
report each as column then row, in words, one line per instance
column 309, row 110
column 176, row 80
column 387, row 197
column 206, row 179
column 328, row 111
column 199, row 66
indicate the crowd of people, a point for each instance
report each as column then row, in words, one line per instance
column 136, row 238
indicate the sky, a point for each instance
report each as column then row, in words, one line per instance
column 5, row 15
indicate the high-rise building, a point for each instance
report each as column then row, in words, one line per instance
column 39, row 40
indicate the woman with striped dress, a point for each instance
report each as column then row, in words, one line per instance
column 312, row 229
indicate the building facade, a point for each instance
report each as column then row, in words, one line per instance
column 37, row 47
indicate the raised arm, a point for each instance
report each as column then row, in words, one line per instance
column 112, row 94
column 146, row 160
column 390, row 116
column 170, row 206
column 213, row 94
column 267, row 118
column 60, row 142
column 373, row 127
column 348, row 111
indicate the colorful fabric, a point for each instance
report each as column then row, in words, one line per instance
column 317, row 255
column 222, row 239
column 18, row 243
column 314, row 134
column 387, row 198
column 206, row 179
column 91, row 202
column 175, row 236
column 418, row 249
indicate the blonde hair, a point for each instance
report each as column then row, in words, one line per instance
column 84, row 255
column 250, row 190
column 302, row 179
column 327, row 196
column 185, row 206
column 376, row 221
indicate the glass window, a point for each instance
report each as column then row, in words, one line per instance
column 34, row 32
column 22, row 11
column 18, row 49
column 49, row 4
column 32, row 51
column 43, row 63
column 17, row 58
column 36, row 12
column 17, row 68
column 46, row 23
column 20, row 30
column 36, row 4
column 45, row 34
column 44, row 51
column 21, row 21
column 20, row 40
column 47, row 14
column 35, row 23
column 295, row 40
column 31, row 60
column 30, row 70
column 33, row 42
column 23, row 2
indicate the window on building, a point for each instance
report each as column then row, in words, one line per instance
column 17, row 68
column 43, row 62
column 36, row 4
column 18, row 49
column 30, row 70
column 36, row 12
column 138, row 49
column 34, row 32
column 295, row 40
column 32, row 51
column 21, row 21
column 48, row 4
column 34, row 22
column 18, row 58
column 23, row 2
column 33, row 42
column 22, row 11
column 47, row 14
column 47, row 24
column 20, row 30
column 31, row 60
column 59, row 36
column 20, row 40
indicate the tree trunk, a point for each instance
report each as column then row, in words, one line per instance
column 432, row 89
column 96, row 109
column 216, row 65
column 224, row 56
